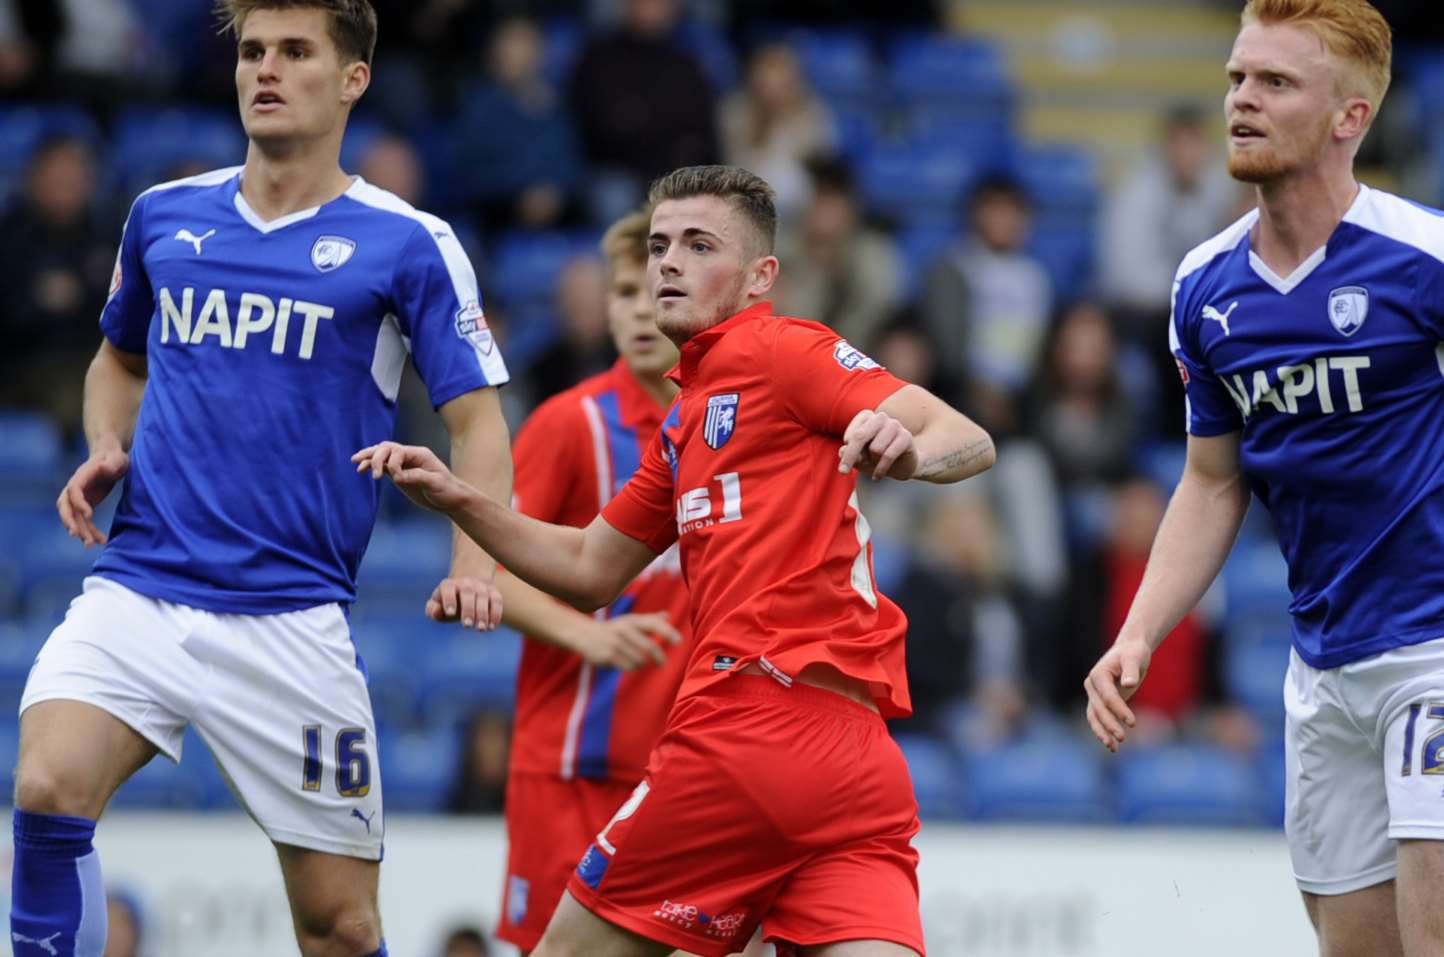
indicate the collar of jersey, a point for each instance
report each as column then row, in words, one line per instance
column 699, row 345
column 260, row 225
column 1287, row 284
column 638, row 407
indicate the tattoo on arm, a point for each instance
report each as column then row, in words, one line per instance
column 958, row 458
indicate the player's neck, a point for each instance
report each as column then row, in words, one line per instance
column 1297, row 216
column 659, row 387
column 278, row 185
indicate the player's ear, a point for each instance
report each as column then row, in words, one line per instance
column 357, row 78
column 1353, row 118
column 764, row 275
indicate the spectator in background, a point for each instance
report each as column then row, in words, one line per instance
column 29, row 33
column 58, row 265
column 584, row 346
column 465, row 942
column 123, row 938
column 988, row 302
column 775, row 124
column 838, row 271
column 965, row 637
column 1082, row 416
column 480, row 785
column 391, row 162
column 643, row 105
column 519, row 158
column 1168, row 203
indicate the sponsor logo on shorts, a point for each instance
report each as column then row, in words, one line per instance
column 593, row 867
column 517, row 889
column 689, row 917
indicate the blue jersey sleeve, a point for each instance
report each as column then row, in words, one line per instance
column 1210, row 408
column 439, row 307
column 125, row 320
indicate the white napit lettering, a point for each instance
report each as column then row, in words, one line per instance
column 1287, row 389
column 255, row 315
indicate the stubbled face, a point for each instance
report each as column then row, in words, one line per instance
column 1282, row 103
column 290, row 80
column 699, row 257
column 632, row 317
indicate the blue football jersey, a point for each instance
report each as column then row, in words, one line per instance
column 1335, row 378
column 275, row 351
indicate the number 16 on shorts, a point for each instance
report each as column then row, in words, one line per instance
column 353, row 763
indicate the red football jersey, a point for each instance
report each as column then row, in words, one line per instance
column 744, row 477
column 574, row 720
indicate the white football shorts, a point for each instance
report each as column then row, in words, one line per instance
column 279, row 700
column 1364, row 744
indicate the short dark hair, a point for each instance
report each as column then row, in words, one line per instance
column 748, row 193
column 353, row 22
column 998, row 185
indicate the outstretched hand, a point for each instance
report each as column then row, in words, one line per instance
column 1114, row 679
column 86, row 489
column 474, row 602
column 876, row 442
column 417, row 472
column 627, row 642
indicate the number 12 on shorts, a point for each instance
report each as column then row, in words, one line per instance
column 1431, row 753
column 353, row 764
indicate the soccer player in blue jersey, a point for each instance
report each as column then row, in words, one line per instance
column 1308, row 336
column 255, row 334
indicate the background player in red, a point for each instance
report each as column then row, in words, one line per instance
column 588, row 707
column 775, row 794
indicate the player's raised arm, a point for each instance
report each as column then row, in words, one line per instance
column 114, row 385
column 587, row 567
column 481, row 452
column 1202, row 520
column 915, row 435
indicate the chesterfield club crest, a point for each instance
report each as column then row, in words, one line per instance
column 721, row 419
column 1348, row 306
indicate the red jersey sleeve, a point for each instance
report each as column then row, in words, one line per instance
column 550, row 454
column 822, row 380
column 644, row 509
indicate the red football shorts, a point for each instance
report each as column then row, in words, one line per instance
column 791, row 807
column 549, row 823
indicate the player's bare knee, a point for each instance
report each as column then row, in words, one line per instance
column 348, row 933
column 42, row 789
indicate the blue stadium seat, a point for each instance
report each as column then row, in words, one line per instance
column 1253, row 674
column 915, row 184
column 962, row 77
column 9, row 751
column 988, row 140
column 150, row 144
column 162, row 784
column 921, row 245
column 838, row 63
column 1068, row 255
column 1189, row 784
column 526, row 264
column 1162, row 462
column 418, row 767
column 404, row 561
column 1062, row 181
column 24, row 128
column 361, row 132
column 713, row 50
column 20, row 642
column 562, row 39
column 460, row 670
column 389, row 647
column 531, row 329
column 937, row 776
column 1256, row 579
column 858, row 128
column 34, row 452
column 52, row 566
column 1049, row 778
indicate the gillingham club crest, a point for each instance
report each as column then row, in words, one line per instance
column 721, row 420
column 331, row 252
column 1348, row 307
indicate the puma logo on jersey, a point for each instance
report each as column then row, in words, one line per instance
column 256, row 314
column 1220, row 317
column 185, row 235
column 364, row 819
column 45, row 943
column 1285, row 387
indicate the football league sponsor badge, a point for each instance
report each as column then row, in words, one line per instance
column 471, row 326
column 1348, row 307
column 721, row 419
column 331, row 252
column 850, row 358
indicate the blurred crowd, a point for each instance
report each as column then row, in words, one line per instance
column 1017, row 281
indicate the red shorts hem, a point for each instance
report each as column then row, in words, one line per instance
column 625, row 919
column 838, row 936
column 521, row 939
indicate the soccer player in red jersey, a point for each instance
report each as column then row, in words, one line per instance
column 588, row 710
column 775, row 794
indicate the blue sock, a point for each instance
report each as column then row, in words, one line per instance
column 375, row 953
column 57, row 900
